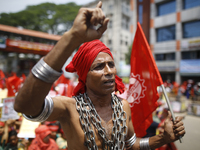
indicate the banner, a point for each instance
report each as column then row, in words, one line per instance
column 8, row 111
column 27, row 129
column 29, row 45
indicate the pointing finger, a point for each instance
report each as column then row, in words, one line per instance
column 99, row 5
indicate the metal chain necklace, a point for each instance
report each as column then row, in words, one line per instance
column 88, row 114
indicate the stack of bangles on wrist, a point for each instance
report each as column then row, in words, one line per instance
column 44, row 72
column 47, row 74
column 129, row 143
column 144, row 144
column 46, row 112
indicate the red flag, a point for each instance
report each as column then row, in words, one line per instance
column 144, row 78
column 13, row 84
column 2, row 80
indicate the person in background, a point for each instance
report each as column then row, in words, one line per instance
column 3, row 134
column 42, row 140
column 23, row 144
column 54, row 131
column 61, row 141
column 12, row 141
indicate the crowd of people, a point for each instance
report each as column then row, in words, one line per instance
column 188, row 89
column 48, row 136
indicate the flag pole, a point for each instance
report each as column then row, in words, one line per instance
column 169, row 106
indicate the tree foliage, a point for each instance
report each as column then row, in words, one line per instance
column 45, row 17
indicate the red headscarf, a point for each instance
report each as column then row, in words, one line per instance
column 37, row 144
column 2, row 124
column 82, row 61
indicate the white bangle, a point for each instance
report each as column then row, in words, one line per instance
column 46, row 112
column 129, row 143
column 144, row 144
column 44, row 72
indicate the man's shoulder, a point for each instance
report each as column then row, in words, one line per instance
column 124, row 101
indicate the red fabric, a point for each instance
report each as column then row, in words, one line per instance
column 2, row 74
column 62, row 79
column 82, row 61
column 2, row 80
column 12, row 84
column 70, row 89
column 53, row 128
column 144, row 79
column 2, row 124
column 38, row 144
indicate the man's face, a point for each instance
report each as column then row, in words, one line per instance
column 14, row 140
column 46, row 139
column 101, row 77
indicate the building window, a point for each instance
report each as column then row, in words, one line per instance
column 166, row 8
column 165, row 57
column 191, row 55
column 110, row 24
column 110, row 7
column 140, row 14
column 190, row 3
column 109, row 42
column 166, row 33
column 125, row 22
column 191, row 29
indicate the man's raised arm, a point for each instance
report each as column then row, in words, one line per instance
column 30, row 98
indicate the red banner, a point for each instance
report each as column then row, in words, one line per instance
column 29, row 45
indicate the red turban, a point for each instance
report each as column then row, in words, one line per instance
column 42, row 131
column 82, row 61
column 38, row 144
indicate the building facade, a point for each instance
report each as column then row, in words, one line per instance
column 121, row 29
column 175, row 38
column 20, row 48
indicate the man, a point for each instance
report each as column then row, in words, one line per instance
column 42, row 140
column 96, row 119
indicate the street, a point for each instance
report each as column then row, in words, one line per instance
column 191, row 139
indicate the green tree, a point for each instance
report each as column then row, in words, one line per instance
column 45, row 17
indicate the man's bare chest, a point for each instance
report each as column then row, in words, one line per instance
column 109, row 128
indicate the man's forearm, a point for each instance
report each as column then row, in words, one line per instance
column 30, row 98
column 156, row 141
column 62, row 51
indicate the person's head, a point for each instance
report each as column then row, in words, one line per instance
column 13, row 139
column 43, row 133
column 84, row 61
column 54, row 130
column 2, row 124
column 101, row 76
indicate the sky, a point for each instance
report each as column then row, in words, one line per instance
column 12, row 6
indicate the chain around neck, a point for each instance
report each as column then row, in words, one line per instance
column 88, row 115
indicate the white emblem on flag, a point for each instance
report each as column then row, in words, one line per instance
column 136, row 89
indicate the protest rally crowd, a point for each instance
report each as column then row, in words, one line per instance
column 64, row 86
column 90, row 113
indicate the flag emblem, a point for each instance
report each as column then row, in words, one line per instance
column 136, row 89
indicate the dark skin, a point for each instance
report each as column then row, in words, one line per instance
column 99, row 86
